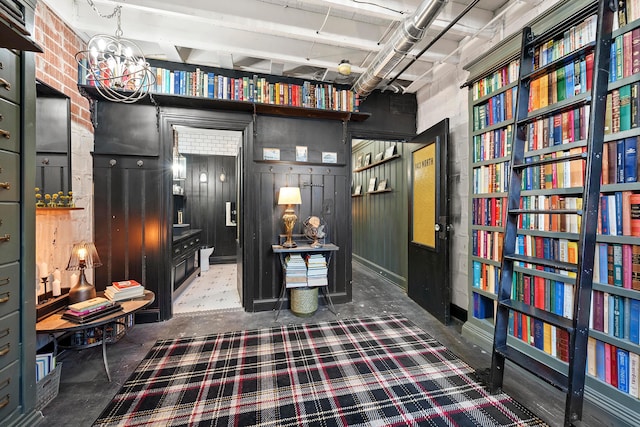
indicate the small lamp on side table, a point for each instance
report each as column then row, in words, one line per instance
column 289, row 196
column 83, row 255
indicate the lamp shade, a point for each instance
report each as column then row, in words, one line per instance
column 83, row 255
column 289, row 196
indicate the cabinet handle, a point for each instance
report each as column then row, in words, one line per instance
column 5, row 238
column 5, row 133
column 6, row 349
column 5, row 185
column 5, row 299
column 5, row 333
column 5, row 281
column 5, row 401
column 5, row 83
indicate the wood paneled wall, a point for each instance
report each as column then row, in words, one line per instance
column 380, row 230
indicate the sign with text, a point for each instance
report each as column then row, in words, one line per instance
column 424, row 196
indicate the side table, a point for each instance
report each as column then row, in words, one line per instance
column 327, row 249
column 55, row 324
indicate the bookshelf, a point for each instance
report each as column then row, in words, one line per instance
column 269, row 93
column 548, row 133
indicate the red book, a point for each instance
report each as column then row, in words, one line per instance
column 627, row 266
column 627, row 54
column 607, row 363
column 125, row 284
column 614, row 365
column 635, row 51
column 634, row 202
column 589, row 69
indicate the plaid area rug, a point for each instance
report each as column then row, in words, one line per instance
column 374, row 371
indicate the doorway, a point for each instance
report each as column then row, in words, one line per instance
column 206, row 198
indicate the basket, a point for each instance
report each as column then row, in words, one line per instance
column 47, row 388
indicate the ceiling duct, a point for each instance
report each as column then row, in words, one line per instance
column 397, row 48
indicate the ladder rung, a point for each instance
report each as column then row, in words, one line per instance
column 566, row 105
column 567, row 266
column 536, row 367
column 547, row 160
column 547, row 317
column 546, row 211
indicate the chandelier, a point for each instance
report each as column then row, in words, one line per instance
column 116, row 66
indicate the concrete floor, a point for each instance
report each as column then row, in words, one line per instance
column 85, row 390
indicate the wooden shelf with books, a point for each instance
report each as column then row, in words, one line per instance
column 614, row 339
column 556, row 124
column 492, row 114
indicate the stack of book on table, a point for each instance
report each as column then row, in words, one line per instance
column 123, row 290
column 296, row 271
column 90, row 310
column 317, row 270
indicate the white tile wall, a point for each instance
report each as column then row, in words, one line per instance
column 209, row 142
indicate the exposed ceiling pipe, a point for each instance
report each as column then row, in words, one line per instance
column 397, row 48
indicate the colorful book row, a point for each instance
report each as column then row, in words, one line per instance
column 497, row 80
column 566, row 223
column 489, row 211
column 615, row 316
column 199, row 83
column 617, row 265
column 614, row 366
column 554, row 296
column 485, row 277
column 625, row 55
column 561, row 128
column 571, row 40
column 487, row 244
column 497, row 109
column 562, row 174
column 491, row 178
column 548, row 248
column 564, row 83
column 620, row 161
column 619, row 214
column 493, row 144
column 622, row 109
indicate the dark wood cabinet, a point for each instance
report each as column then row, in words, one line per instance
column 185, row 262
column 17, row 219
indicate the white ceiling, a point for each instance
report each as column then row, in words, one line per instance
column 298, row 38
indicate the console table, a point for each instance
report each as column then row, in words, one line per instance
column 55, row 324
column 327, row 249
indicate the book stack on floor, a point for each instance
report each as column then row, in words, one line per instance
column 317, row 270
column 296, row 275
column 90, row 310
column 124, row 290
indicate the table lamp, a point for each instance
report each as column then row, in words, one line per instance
column 83, row 255
column 289, row 196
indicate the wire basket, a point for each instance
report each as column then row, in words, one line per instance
column 47, row 388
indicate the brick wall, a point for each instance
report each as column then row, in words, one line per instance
column 57, row 66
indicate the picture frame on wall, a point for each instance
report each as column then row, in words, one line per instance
column 359, row 161
column 372, row 184
column 390, row 151
column 301, row 153
column 270, row 154
column 367, row 159
column 329, row 157
column 378, row 156
column 358, row 190
column 382, row 185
